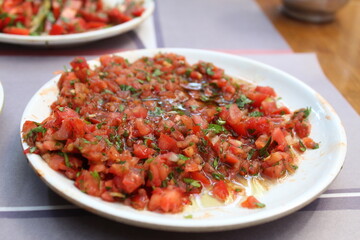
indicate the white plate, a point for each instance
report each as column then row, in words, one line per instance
column 79, row 38
column 1, row 97
column 316, row 171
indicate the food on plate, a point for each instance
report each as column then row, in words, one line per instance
column 154, row 132
column 58, row 17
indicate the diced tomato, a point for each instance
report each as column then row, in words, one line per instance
column 96, row 25
column 143, row 128
column 199, row 176
column 70, row 128
column 158, row 172
column 187, row 121
column 131, row 181
column 257, row 98
column 276, row 171
column 16, row 31
column 137, row 12
column 309, row 143
column 168, row 200
column 268, row 107
column 56, row 30
column 55, row 161
column 235, row 115
column 191, row 166
column 141, row 151
column 220, row 190
column 166, row 142
column 139, row 111
column 279, row 138
column 302, row 129
column 118, row 17
column 4, row 22
column 199, row 121
column 231, row 159
column 261, row 141
column 93, row 16
column 140, row 200
column 266, row 90
column 55, row 5
column 27, row 126
column 251, row 202
column 258, row 125
column 90, row 183
column 79, row 63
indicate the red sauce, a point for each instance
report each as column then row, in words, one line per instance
column 153, row 132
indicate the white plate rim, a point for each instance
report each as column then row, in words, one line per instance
column 2, row 97
column 194, row 225
column 79, row 38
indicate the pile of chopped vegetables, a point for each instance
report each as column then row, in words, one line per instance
column 57, row 17
column 153, row 132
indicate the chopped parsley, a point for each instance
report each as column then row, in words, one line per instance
column 121, row 107
column 107, row 91
column 242, row 101
column 125, row 87
column 302, row 146
column 157, row 73
column 209, row 71
column 99, row 125
column 192, row 182
column 204, row 98
column 260, row 205
column 218, row 176
column 215, row 163
column 316, row 146
column 220, row 121
column 39, row 129
column 95, row 175
column 256, row 114
column 32, row 149
column 263, row 152
column 157, row 112
column 215, row 128
column 182, row 157
column 250, row 154
column 307, row 112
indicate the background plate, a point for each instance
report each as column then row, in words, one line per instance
column 316, row 170
column 79, row 38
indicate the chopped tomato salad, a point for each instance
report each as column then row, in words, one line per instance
column 153, row 132
column 58, row 17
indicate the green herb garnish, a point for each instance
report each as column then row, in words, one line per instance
column 263, row 151
column 220, row 121
column 209, row 71
column 242, row 101
column 192, row 182
column 214, row 128
column 256, row 114
column 302, row 146
column 218, row 176
column 125, row 87
column 157, row 72
column 307, row 112
column 260, row 205
column 182, row 157
column 216, row 163
column 250, row 154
